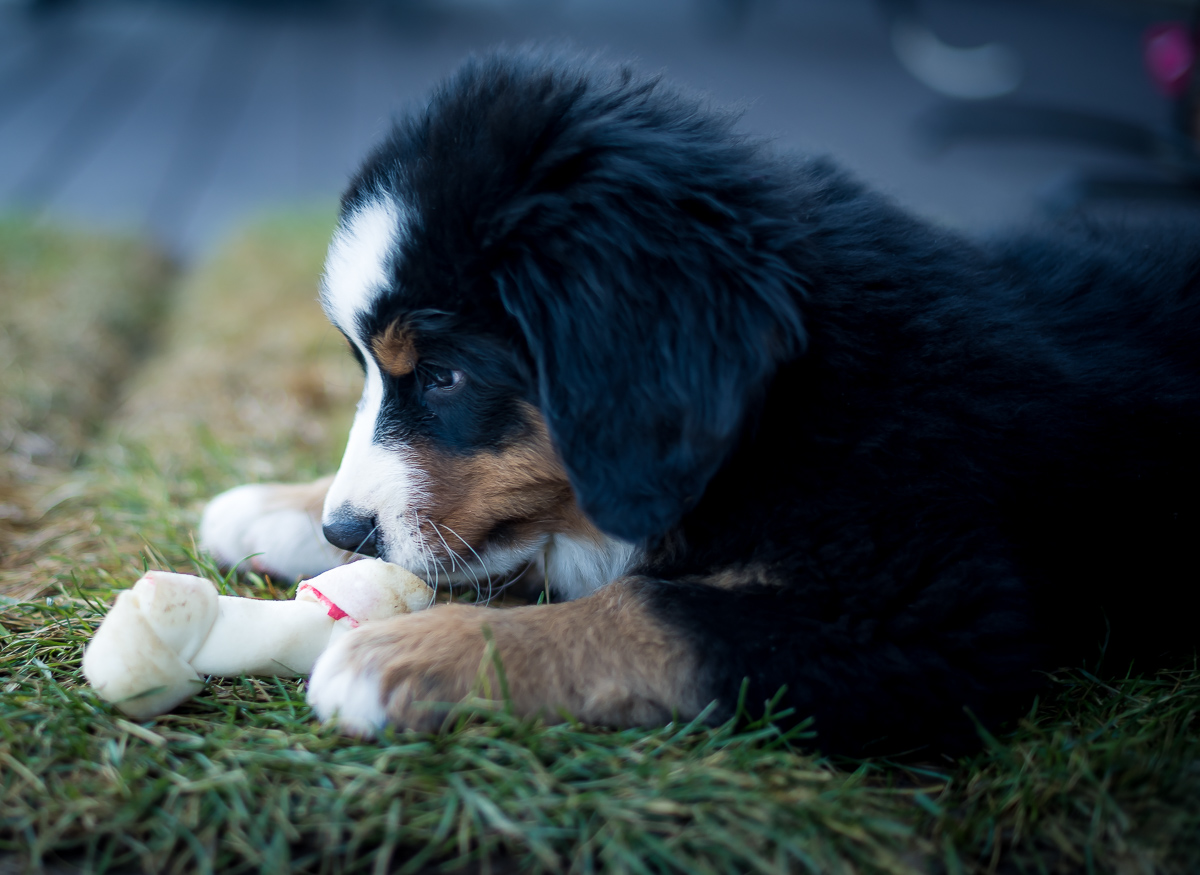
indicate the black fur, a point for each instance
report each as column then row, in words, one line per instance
column 936, row 466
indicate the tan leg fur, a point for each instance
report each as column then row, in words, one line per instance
column 602, row 658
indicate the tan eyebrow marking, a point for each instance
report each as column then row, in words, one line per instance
column 395, row 350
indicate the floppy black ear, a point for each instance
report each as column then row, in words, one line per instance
column 655, row 315
column 646, row 372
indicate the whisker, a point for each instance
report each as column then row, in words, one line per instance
column 455, row 559
column 478, row 559
column 517, row 579
column 466, row 565
column 369, row 535
column 426, row 556
column 437, row 531
column 449, row 583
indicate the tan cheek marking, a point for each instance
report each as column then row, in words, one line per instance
column 523, row 486
column 603, row 658
column 395, row 351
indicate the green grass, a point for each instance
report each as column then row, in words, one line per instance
column 242, row 779
column 1099, row 777
column 76, row 316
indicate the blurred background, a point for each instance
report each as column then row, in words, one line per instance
column 179, row 118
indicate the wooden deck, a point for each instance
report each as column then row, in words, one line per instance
column 180, row 118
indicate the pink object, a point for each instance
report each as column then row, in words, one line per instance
column 334, row 611
column 1170, row 55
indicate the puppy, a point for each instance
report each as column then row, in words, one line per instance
column 760, row 429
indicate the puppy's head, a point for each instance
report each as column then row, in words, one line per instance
column 566, row 287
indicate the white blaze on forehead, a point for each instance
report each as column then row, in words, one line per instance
column 373, row 479
column 356, row 266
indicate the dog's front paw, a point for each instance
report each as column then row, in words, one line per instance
column 405, row 672
column 605, row 659
column 278, row 526
column 346, row 687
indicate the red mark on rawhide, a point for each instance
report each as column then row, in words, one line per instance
column 334, row 611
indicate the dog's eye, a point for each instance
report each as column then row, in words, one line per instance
column 442, row 379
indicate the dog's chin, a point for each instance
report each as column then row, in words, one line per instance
column 489, row 570
column 572, row 565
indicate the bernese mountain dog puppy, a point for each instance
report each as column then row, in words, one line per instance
column 759, row 428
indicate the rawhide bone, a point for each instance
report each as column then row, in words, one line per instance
column 170, row 630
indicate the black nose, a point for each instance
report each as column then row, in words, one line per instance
column 352, row 531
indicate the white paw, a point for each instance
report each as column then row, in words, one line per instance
column 347, row 693
column 265, row 523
